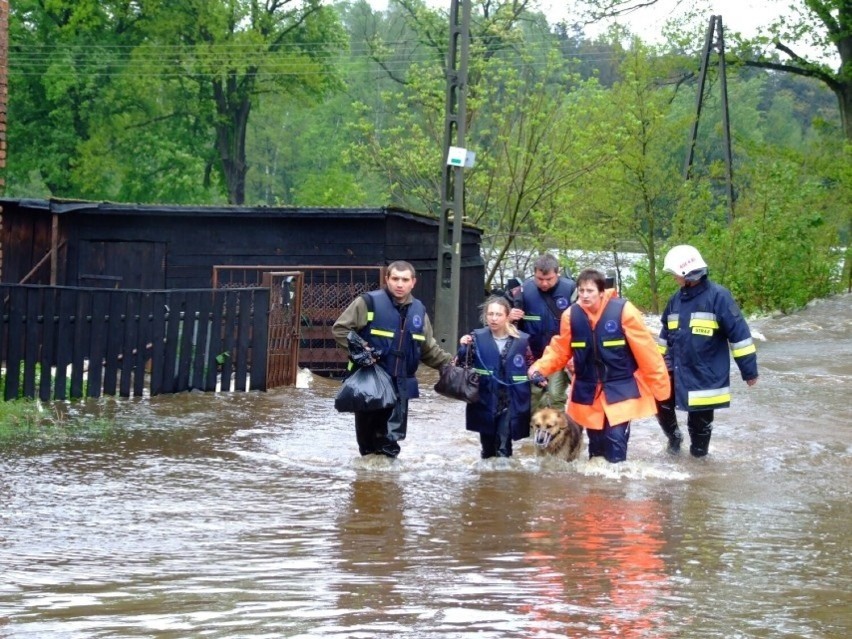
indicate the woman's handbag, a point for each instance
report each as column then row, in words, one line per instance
column 460, row 382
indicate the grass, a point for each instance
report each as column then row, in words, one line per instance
column 34, row 422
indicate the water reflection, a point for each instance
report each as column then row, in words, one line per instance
column 600, row 568
column 373, row 555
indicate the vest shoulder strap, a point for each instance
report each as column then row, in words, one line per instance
column 368, row 299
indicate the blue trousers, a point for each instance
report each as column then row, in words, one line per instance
column 610, row 443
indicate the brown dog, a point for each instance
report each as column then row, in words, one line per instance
column 556, row 435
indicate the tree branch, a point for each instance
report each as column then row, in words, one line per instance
column 807, row 69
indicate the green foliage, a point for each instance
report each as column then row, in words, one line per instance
column 32, row 423
column 579, row 143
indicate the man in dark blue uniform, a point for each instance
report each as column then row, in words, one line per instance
column 393, row 326
column 538, row 310
column 698, row 324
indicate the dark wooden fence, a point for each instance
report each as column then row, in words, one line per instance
column 67, row 343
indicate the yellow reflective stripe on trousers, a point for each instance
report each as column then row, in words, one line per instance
column 743, row 348
column 709, row 398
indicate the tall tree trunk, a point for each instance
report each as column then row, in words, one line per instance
column 232, row 107
column 844, row 98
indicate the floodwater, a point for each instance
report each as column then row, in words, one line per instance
column 251, row 515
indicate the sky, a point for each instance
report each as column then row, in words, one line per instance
column 744, row 16
column 737, row 15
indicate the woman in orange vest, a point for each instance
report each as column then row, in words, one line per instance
column 618, row 369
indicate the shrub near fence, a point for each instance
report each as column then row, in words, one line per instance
column 68, row 343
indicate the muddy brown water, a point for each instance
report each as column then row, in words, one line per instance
column 251, row 515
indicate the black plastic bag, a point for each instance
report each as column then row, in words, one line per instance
column 369, row 388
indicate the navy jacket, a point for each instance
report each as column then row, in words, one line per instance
column 699, row 323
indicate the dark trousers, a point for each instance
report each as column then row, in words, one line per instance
column 379, row 431
column 699, row 423
column 609, row 443
column 499, row 443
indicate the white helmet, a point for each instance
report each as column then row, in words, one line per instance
column 683, row 260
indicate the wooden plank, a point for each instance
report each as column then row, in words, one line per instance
column 174, row 307
column 80, row 346
column 259, row 340
column 187, row 339
column 17, row 310
column 98, row 329
column 143, row 343
column 158, row 336
column 131, row 329
column 243, row 326
column 115, row 336
column 32, row 341
column 47, row 357
column 229, row 326
column 202, row 349
column 5, row 292
column 216, row 327
column 64, row 341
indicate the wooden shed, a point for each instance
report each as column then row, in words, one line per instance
column 153, row 247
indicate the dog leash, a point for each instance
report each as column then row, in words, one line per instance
column 491, row 373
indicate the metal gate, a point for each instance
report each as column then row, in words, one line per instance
column 285, row 312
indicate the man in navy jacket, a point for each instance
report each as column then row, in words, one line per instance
column 699, row 323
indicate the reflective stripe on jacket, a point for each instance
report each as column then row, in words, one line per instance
column 602, row 356
column 699, row 325
column 651, row 375
column 396, row 331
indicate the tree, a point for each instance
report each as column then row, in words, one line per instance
column 63, row 57
column 520, row 122
column 152, row 99
column 237, row 50
column 823, row 26
column 629, row 202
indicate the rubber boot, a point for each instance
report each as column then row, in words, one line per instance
column 700, row 426
column 667, row 419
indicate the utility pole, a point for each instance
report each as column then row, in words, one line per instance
column 448, row 279
column 714, row 30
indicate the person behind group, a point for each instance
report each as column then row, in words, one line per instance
column 698, row 323
column 399, row 336
column 618, row 370
column 501, row 355
column 538, row 310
